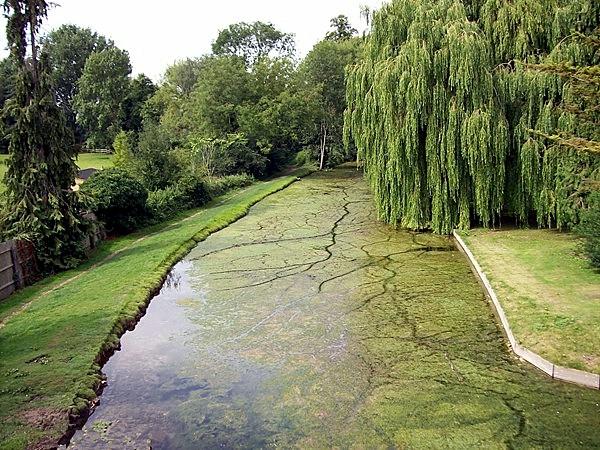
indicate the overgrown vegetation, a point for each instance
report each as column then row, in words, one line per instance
column 447, row 113
column 248, row 108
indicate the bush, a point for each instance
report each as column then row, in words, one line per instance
column 589, row 229
column 118, row 199
column 305, row 158
column 165, row 203
column 219, row 186
column 195, row 189
column 189, row 192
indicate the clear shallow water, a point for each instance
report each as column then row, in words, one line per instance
column 309, row 324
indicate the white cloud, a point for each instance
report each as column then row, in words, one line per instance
column 156, row 33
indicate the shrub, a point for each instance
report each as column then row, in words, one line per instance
column 118, row 199
column 589, row 229
column 219, row 186
column 305, row 157
column 165, row 203
column 195, row 189
column 122, row 150
column 189, row 192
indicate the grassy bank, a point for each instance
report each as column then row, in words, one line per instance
column 55, row 335
column 548, row 290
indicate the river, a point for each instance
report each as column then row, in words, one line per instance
column 309, row 324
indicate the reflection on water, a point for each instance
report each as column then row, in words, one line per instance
column 152, row 401
column 308, row 324
column 145, row 374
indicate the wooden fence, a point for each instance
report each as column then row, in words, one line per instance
column 18, row 266
column 18, row 261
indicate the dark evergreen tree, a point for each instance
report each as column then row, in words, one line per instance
column 41, row 206
column 6, row 91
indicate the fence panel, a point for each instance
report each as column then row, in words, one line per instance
column 18, row 266
column 19, row 263
column 7, row 280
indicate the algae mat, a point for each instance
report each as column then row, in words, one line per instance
column 309, row 324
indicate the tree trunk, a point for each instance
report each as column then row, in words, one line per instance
column 323, row 143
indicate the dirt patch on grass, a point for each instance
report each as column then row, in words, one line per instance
column 43, row 418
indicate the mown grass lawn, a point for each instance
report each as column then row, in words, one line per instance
column 549, row 292
column 94, row 160
column 51, row 335
column 84, row 161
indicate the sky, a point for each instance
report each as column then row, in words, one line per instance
column 157, row 33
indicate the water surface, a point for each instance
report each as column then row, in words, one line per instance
column 309, row 324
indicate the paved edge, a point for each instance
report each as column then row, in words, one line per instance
column 579, row 377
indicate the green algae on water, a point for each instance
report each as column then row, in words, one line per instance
column 309, row 324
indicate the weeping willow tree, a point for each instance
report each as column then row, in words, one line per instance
column 441, row 113
column 569, row 129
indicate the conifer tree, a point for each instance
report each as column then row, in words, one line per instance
column 41, row 206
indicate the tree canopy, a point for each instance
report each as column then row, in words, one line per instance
column 250, row 94
column 440, row 110
column 68, row 48
column 252, row 41
column 341, row 29
column 141, row 88
column 323, row 71
column 102, row 87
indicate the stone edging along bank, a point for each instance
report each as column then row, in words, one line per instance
column 587, row 379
